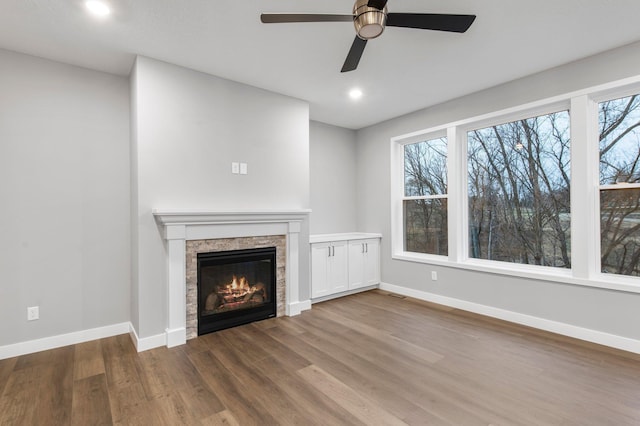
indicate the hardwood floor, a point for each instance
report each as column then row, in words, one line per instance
column 366, row 359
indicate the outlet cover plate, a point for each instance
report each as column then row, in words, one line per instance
column 33, row 313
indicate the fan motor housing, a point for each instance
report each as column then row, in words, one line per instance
column 369, row 21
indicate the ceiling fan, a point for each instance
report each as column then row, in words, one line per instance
column 370, row 17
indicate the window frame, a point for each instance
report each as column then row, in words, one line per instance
column 424, row 197
column 397, row 211
column 500, row 119
column 595, row 99
column 585, row 189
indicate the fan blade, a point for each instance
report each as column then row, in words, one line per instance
column 355, row 53
column 276, row 18
column 431, row 21
column 378, row 4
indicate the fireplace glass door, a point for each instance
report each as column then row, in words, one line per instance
column 235, row 287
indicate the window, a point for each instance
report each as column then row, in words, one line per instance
column 519, row 191
column 619, row 127
column 424, row 203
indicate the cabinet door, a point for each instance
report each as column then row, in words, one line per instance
column 372, row 262
column 319, row 270
column 356, row 264
column 338, row 267
column 364, row 263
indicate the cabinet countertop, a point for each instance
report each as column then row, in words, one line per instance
column 347, row 236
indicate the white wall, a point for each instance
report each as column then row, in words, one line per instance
column 64, row 186
column 333, row 179
column 602, row 310
column 189, row 127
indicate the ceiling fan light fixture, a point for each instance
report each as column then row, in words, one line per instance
column 368, row 21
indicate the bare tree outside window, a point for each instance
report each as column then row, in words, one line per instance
column 619, row 124
column 425, row 197
column 519, row 191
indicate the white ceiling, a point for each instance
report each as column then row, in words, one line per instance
column 402, row 71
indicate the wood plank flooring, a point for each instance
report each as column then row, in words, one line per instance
column 366, row 359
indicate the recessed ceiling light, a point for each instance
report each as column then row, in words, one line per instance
column 97, row 8
column 355, row 94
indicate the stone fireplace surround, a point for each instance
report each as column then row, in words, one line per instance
column 180, row 226
column 225, row 244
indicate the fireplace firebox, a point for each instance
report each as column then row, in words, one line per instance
column 235, row 287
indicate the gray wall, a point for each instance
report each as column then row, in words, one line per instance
column 598, row 309
column 333, row 178
column 73, row 186
column 189, row 127
column 64, row 186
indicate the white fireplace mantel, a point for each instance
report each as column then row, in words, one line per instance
column 180, row 226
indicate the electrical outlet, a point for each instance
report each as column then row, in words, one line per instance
column 33, row 313
column 235, row 168
column 243, row 168
column 434, row 276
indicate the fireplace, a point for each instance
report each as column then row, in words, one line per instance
column 190, row 232
column 235, row 287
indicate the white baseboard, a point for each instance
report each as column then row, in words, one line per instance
column 589, row 335
column 296, row 308
column 176, row 336
column 344, row 293
column 146, row 343
column 46, row 343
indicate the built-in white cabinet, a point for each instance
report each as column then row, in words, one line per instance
column 329, row 271
column 343, row 262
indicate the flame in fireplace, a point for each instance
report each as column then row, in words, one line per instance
column 239, row 285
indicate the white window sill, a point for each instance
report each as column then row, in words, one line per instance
column 603, row 281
